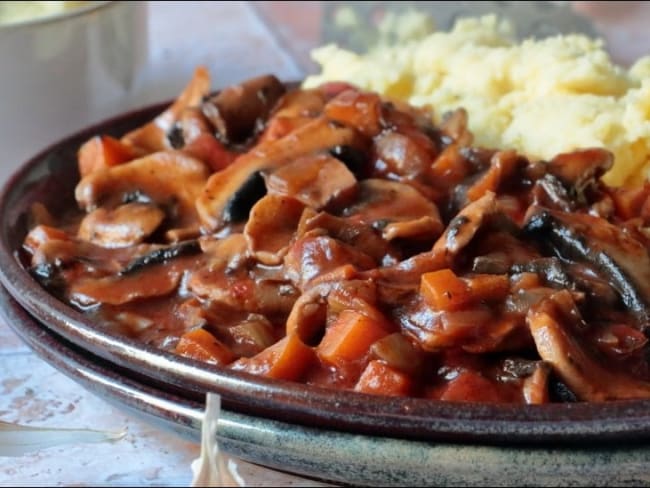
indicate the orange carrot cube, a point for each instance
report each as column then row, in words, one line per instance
column 443, row 290
column 380, row 379
column 350, row 336
column 199, row 344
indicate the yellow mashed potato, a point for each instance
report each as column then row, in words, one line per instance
column 12, row 12
column 541, row 97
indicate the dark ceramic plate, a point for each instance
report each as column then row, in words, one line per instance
column 50, row 177
column 335, row 456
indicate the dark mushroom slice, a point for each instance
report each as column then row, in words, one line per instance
column 550, row 269
column 317, row 135
column 356, row 159
column 559, row 343
column 550, row 192
column 271, row 227
column 171, row 179
column 317, row 180
column 241, row 202
column 458, row 234
column 395, row 209
column 610, row 251
column 239, row 110
column 153, row 136
column 580, row 169
column 162, row 255
column 124, row 288
column 124, row 226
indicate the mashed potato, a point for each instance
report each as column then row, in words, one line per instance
column 17, row 11
column 541, row 97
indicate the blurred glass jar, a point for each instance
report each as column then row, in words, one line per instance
column 63, row 69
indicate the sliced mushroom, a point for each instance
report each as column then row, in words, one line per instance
column 237, row 111
column 403, row 156
column 314, row 255
column 316, row 180
column 615, row 254
column 118, row 290
column 152, row 136
column 309, row 315
column 317, row 135
column 462, row 228
column 124, row 226
column 579, row 169
column 397, row 209
column 161, row 255
column 171, row 179
column 236, row 290
column 559, row 343
column 351, row 232
column 271, row 227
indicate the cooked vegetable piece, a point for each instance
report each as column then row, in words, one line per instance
column 102, row 152
column 152, row 137
column 238, row 110
column 443, row 290
column 287, row 359
column 124, row 226
column 315, row 255
column 118, row 290
column 316, row 180
column 399, row 353
column 558, row 343
column 349, row 338
column 381, row 379
column 314, row 136
column 356, row 109
column 623, row 260
column 470, row 386
column 502, row 166
column 238, row 207
column 199, row 344
column 171, row 179
column 161, row 255
column 208, row 149
column 271, row 227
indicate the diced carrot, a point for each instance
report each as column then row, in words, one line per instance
column 102, row 152
column 361, row 110
column 350, row 336
column 443, row 290
column 488, row 287
column 209, row 150
column 287, row 359
column 199, row 344
column 380, row 379
column 469, row 386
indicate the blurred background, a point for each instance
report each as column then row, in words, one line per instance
column 62, row 72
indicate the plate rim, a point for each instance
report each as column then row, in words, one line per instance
column 331, row 455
